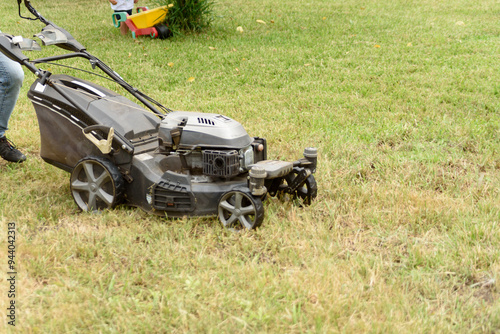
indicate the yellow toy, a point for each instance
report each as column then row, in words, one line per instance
column 145, row 22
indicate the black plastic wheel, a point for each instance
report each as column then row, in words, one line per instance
column 305, row 193
column 96, row 184
column 239, row 209
column 163, row 31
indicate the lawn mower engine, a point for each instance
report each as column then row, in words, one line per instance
column 212, row 145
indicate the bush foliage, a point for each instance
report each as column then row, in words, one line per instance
column 188, row 15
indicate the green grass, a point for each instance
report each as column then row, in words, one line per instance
column 402, row 100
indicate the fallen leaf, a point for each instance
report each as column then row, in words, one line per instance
column 307, row 64
column 130, row 54
column 460, row 23
column 260, row 21
column 324, row 17
column 239, row 29
column 409, row 44
column 170, row 64
column 190, row 79
column 212, row 48
column 272, row 21
column 377, row 46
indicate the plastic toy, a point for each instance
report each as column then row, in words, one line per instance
column 145, row 22
column 170, row 163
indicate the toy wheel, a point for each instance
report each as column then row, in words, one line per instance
column 96, row 183
column 163, row 31
column 238, row 210
column 304, row 194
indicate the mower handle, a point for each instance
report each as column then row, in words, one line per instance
column 32, row 10
column 60, row 57
column 52, row 34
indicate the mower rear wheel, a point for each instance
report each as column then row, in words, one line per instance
column 96, row 184
column 239, row 209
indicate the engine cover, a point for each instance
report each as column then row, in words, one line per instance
column 201, row 130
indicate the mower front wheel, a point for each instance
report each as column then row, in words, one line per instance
column 304, row 194
column 239, row 209
column 96, row 184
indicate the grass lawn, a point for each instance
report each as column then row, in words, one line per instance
column 402, row 99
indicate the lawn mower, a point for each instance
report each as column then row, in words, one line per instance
column 170, row 163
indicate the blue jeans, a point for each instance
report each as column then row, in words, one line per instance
column 11, row 80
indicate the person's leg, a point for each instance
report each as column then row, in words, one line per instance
column 11, row 80
column 123, row 27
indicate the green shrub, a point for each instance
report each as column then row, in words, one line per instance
column 188, row 15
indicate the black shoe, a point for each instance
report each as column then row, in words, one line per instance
column 9, row 152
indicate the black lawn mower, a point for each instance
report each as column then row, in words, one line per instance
column 170, row 163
